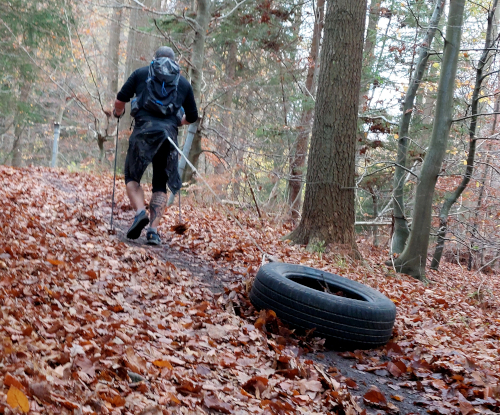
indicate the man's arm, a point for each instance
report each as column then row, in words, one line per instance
column 125, row 95
column 190, row 109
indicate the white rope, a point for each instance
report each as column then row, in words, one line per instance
column 264, row 253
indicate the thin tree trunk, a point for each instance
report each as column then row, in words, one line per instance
column 197, row 59
column 19, row 125
column 478, row 207
column 57, row 131
column 298, row 161
column 368, row 52
column 412, row 260
column 328, row 212
column 114, row 51
column 453, row 197
column 401, row 230
column 227, row 102
column 17, row 146
column 375, row 214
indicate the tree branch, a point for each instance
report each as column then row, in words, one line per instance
column 474, row 115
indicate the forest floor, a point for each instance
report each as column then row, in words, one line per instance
column 94, row 323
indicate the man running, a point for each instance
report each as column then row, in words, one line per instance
column 160, row 92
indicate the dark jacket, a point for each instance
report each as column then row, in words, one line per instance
column 136, row 83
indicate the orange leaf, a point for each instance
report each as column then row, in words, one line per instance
column 118, row 401
column 374, row 397
column 351, row 383
column 12, row 381
column 163, row 363
column 92, row 274
column 174, row 399
column 55, row 262
column 15, row 398
column 394, row 370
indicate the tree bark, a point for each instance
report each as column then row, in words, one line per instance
column 401, row 230
column 453, row 197
column 114, row 52
column 328, row 212
column 298, row 161
column 17, row 146
column 374, row 196
column 140, row 50
column 368, row 52
column 19, row 125
column 197, row 59
column 57, row 131
column 412, row 260
column 227, row 102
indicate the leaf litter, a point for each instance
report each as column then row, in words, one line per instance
column 91, row 325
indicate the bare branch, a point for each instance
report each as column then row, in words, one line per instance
column 474, row 115
column 35, row 62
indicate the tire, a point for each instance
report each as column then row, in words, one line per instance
column 361, row 319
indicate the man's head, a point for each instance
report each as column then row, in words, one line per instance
column 165, row 52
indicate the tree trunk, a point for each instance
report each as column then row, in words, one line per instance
column 328, row 212
column 140, row 50
column 298, row 160
column 57, row 131
column 375, row 216
column 453, row 197
column 412, row 260
column 197, row 59
column 17, row 146
column 368, row 53
column 19, row 125
column 401, row 230
column 114, row 52
column 227, row 103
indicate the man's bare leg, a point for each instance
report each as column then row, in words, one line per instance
column 157, row 206
column 136, row 196
column 141, row 220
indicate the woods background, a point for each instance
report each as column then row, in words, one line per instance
column 254, row 67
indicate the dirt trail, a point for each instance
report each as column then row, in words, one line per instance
column 327, row 359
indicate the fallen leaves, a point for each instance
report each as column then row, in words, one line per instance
column 163, row 363
column 375, row 398
column 212, row 402
column 91, row 323
column 17, row 399
column 12, row 381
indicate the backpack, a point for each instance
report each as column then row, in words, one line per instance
column 160, row 95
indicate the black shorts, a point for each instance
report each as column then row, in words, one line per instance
column 149, row 144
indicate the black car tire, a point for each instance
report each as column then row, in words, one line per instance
column 303, row 297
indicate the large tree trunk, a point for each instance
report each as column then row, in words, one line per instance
column 197, row 59
column 298, row 160
column 401, row 230
column 328, row 213
column 483, row 64
column 140, row 50
column 412, row 260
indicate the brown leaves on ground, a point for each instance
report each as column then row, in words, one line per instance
column 91, row 325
